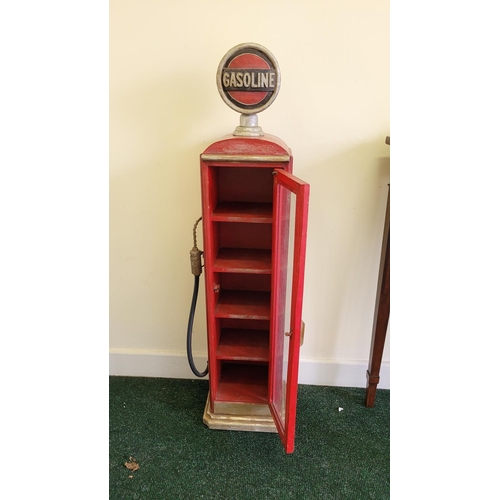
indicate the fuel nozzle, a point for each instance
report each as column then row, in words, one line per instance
column 195, row 253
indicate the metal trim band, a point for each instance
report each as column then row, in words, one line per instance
column 246, row 158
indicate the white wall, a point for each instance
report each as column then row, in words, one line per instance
column 332, row 110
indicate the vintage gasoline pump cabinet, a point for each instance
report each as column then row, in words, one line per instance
column 254, row 214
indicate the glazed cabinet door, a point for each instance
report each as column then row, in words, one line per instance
column 290, row 209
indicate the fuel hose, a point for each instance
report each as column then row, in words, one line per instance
column 196, row 266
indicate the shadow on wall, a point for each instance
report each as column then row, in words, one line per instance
column 347, row 210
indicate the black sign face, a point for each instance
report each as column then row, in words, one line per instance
column 248, row 78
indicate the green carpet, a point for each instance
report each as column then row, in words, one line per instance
column 158, row 422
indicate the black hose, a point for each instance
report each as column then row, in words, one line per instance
column 190, row 330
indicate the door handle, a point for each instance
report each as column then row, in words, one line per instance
column 302, row 331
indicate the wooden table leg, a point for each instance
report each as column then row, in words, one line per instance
column 382, row 308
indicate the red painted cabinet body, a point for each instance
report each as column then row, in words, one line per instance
column 254, row 227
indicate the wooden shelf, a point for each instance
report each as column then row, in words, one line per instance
column 243, row 260
column 230, row 211
column 243, row 345
column 243, row 305
column 243, row 383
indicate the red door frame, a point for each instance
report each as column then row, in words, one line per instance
column 300, row 188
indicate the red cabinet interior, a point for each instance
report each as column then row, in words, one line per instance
column 239, row 263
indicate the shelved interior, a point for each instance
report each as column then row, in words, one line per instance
column 243, row 383
column 241, row 225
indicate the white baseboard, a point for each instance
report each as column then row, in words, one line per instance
column 168, row 364
column 340, row 373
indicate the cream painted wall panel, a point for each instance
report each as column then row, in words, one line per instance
column 332, row 110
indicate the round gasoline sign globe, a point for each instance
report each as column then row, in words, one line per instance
column 248, row 78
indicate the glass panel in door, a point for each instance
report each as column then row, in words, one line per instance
column 291, row 198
